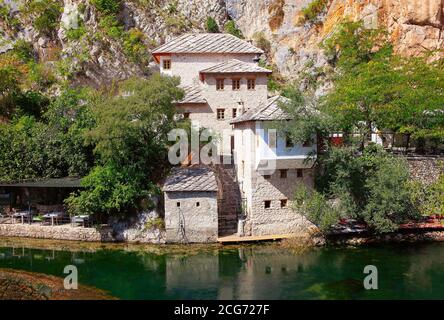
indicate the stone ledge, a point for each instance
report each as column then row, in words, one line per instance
column 56, row 232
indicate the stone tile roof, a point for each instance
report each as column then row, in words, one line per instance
column 207, row 43
column 193, row 94
column 191, row 179
column 271, row 111
column 235, row 66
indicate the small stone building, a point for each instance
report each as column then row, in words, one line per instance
column 191, row 205
column 270, row 167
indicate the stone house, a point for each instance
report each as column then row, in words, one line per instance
column 226, row 91
column 220, row 76
column 191, row 205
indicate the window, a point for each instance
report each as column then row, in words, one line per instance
column 220, row 114
column 178, row 204
column 243, row 168
column 288, row 142
column 306, row 143
column 220, row 84
column 234, row 113
column 272, row 139
column 284, row 203
column 267, row 204
column 236, row 84
column 267, row 176
column 299, row 173
column 197, row 204
column 283, row 173
column 251, row 84
column 186, row 115
column 166, row 64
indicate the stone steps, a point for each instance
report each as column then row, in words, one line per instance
column 229, row 199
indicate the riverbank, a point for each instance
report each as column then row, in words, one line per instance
column 103, row 237
column 23, row 285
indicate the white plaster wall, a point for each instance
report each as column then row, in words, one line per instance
column 281, row 151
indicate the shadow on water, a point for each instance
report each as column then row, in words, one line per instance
column 245, row 272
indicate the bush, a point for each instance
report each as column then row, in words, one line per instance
column 109, row 190
column 134, row 46
column 111, row 26
column 76, row 34
column 107, row 7
column 372, row 187
column 46, row 14
column 211, row 25
column 312, row 11
column 230, row 27
column 23, row 50
column 261, row 41
column 316, row 208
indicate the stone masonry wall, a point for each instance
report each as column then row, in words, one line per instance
column 425, row 169
column 189, row 222
column 187, row 66
column 56, row 232
column 277, row 220
column 67, row 232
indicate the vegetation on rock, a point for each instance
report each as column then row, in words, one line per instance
column 211, row 25
column 231, row 28
column 311, row 12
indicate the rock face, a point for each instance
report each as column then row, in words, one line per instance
column 415, row 27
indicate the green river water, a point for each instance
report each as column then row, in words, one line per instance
column 245, row 272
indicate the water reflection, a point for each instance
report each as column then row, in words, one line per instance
column 266, row 272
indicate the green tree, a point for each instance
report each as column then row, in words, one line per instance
column 52, row 147
column 376, row 89
column 211, row 25
column 130, row 141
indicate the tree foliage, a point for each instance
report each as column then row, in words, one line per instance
column 211, row 25
column 50, row 147
column 130, row 140
column 372, row 187
column 374, row 88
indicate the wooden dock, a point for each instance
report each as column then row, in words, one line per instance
column 235, row 238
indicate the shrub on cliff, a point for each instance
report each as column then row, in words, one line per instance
column 107, row 7
column 230, row 27
column 211, row 25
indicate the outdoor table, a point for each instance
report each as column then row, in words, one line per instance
column 53, row 216
column 22, row 215
column 80, row 219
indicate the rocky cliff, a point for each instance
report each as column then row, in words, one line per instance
column 291, row 32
